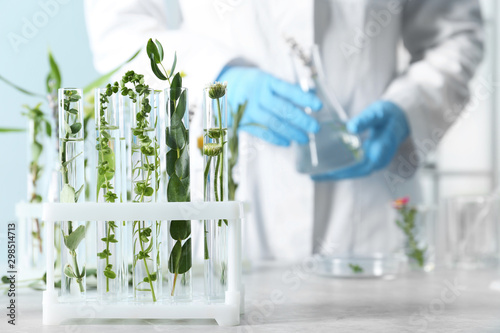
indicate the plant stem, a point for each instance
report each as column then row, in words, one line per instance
column 64, row 171
column 108, row 231
column 173, row 288
column 222, row 153
column 34, row 179
column 38, row 235
column 140, row 240
column 217, row 164
column 206, row 240
column 146, row 264
column 77, row 271
column 107, row 257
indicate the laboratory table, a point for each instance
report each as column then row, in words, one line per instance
column 288, row 298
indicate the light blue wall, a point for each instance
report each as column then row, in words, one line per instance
column 61, row 26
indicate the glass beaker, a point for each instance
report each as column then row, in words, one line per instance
column 472, row 232
column 364, row 247
column 333, row 147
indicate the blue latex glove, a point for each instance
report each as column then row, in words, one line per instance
column 387, row 128
column 275, row 108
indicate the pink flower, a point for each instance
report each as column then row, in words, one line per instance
column 401, row 202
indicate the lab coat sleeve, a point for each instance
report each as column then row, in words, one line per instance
column 445, row 41
column 117, row 29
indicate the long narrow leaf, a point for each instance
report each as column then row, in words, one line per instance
column 54, row 75
column 101, row 81
column 7, row 130
column 24, row 91
column 173, row 65
column 152, row 51
column 160, row 50
column 156, row 70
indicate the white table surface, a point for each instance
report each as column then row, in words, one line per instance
column 285, row 298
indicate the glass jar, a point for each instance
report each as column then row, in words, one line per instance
column 472, row 232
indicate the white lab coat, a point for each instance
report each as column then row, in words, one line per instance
column 293, row 216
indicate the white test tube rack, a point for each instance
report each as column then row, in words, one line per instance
column 226, row 313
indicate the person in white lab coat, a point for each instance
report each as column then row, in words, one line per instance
column 293, row 215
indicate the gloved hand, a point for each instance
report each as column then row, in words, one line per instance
column 388, row 129
column 273, row 104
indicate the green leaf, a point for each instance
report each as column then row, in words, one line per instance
column 67, row 194
column 180, row 229
column 77, row 194
column 176, row 190
column 180, row 110
column 69, row 272
column 8, row 130
column 5, row 279
column 185, row 262
column 152, row 51
column 75, row 128
column 54, row 77
column 82, row 274
column 48, row 129
column 36, row 150
column 109, row 274
column 176, row 136
column 186, row 182
column 157, row 71
column 160, row 49
column 91, row 272
column 24, row 91
column 65, row 164
column 171, row 159
column 108, row 158
column 356, row 268
column 103, row 255
column 148, row 191
column 175, row 87
column 67, row 128
column 101, row 81
column 175, row 256
column 152, row 278
column 73, row 240
column 173, row 67
column 182, row 164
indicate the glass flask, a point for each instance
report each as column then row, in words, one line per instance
column 333, row 147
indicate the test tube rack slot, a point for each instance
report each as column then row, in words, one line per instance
column 226, row 313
